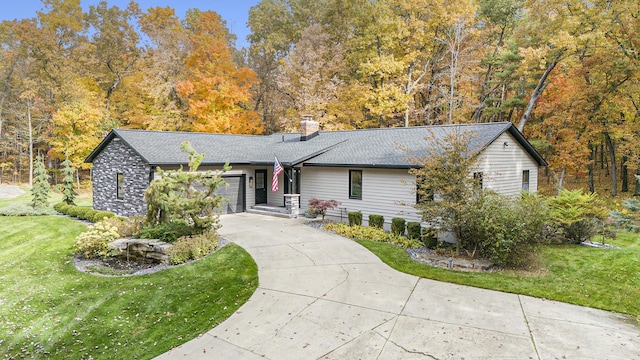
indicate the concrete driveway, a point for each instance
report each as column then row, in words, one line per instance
column 322, row 296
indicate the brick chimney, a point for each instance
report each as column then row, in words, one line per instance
column 308, row 128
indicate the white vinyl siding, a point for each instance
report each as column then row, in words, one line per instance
column 275, row 198
column 502, row 166
column 383, row 192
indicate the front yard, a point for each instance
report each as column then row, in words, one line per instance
column 49, row 309
column 599, row 278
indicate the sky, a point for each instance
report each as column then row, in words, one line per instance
column 234, row 12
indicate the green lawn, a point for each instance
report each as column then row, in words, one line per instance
column 600, row 278
column 84, row 199
column 48, row 309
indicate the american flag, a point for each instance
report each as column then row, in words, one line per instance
column 277, row 169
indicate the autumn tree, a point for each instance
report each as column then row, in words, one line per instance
column 116, row 45
column 311, row 78
column 216, row 90
column 444, row 181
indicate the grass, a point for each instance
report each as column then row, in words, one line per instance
column 599, row 278
column 84, row 199
column 48, row 309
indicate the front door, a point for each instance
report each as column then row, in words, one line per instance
column 261, row 186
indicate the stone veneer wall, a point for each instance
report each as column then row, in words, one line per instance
column 116, row 158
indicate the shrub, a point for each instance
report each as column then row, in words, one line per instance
column 25, row 210
column 127, row 227
column 429, row 237
column 355, row 218
column 502, row 228
column 61, row 207
column 629, row 217
column 94, row 242
column 358, row 232
column 576, row 215
column 397, row 226
column 376, row 221
column 192, row 247
column 82, row 212
column 320, row 207
column 414, row 230
column 168, row 232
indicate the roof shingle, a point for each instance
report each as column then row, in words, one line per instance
column 365, row 148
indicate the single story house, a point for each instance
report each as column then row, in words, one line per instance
column 365, row 170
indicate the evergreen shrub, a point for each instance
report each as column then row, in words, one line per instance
column 376, row 221
column 355, row 218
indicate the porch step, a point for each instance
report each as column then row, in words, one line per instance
column 268, row 213
column 275, row 209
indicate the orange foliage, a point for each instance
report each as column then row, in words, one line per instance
column 217, row 91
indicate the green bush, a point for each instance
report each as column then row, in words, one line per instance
column 168, row 232
column 192, row 247
column 82, row 212
column 502, row 228
column 414, row 230
column 61, row 207
column 94, row 242
column 25, row 210
column 376, row 221
column 355, row 218
column 97, row 215
column 358, row 232
column 629, row 218
column 397, row 226
column 429, row 238
column 576, row 215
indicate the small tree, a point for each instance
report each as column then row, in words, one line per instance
column 444, row 182
column 185, row 196
column 41, row 187
column 68, row 189
column 320, row 207
column 576, row 214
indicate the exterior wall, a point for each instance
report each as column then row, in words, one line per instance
column 275, row 198
column 386, row 192
column 502, row 166
column 119, row 158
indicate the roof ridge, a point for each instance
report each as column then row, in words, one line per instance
column 118, row 130
column 415, row 127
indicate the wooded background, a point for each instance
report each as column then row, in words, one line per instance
column 567, row 73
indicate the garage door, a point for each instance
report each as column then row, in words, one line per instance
column 234, row 193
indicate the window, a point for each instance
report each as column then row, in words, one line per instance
column 355, row 184
column 120, row 186
column 477, row 180
column 525, row 180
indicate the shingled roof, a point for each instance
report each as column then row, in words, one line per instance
column 362, row 148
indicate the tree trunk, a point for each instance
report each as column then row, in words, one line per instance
column 30, row 129
column 592, row 157
column 636, row 191
column 561, row 180
column 542, row 84
column 612, row 154
column 624, row 173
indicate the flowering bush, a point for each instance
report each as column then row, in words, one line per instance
column 94, row 243
column 192, row 247
column 320, row 207
column 373, row 234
